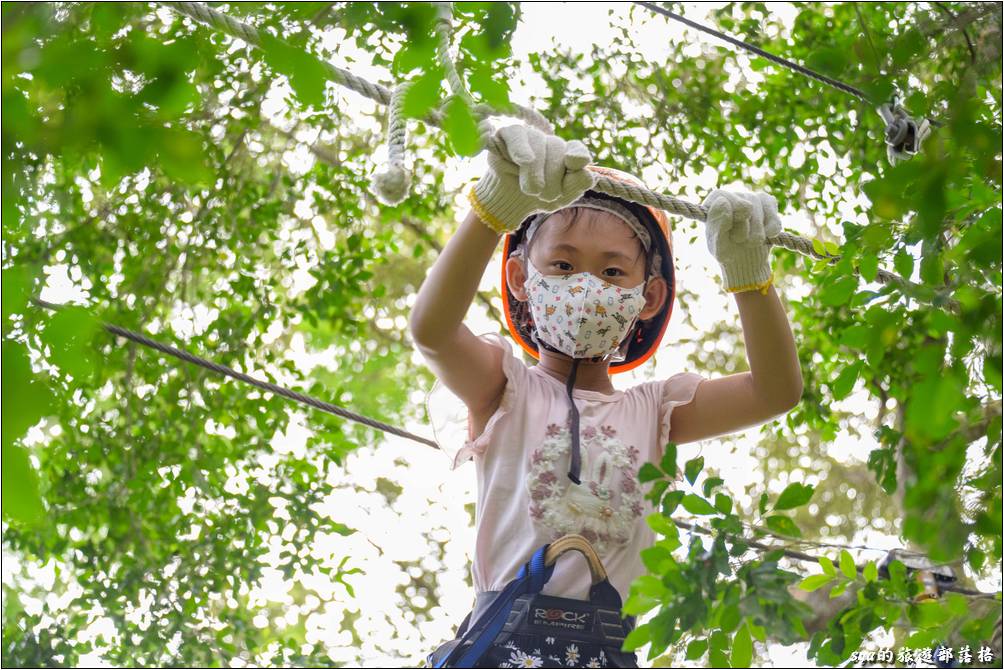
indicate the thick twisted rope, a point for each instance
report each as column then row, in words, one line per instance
column 381, row 94
column 444, row 30
column 249, row 34
column 444, row 33
column 393, row 183
column 289, row 394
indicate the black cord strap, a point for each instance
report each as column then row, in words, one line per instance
column 263, row 385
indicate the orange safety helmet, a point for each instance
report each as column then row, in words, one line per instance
column 645, row 337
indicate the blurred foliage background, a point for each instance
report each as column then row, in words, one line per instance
column 148, row 171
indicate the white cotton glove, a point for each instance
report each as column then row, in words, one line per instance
column 737, row 228
column 542, row 173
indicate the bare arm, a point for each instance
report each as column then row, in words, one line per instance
column 771, row 387
column 465, row 364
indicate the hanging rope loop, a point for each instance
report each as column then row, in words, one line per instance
column 392, row 184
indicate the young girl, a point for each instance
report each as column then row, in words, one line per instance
column 588, row 288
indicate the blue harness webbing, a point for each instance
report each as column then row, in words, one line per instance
column 531, row 579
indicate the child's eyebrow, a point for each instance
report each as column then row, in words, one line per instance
column 609, row 255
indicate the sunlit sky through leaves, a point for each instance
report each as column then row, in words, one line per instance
column 398, row 532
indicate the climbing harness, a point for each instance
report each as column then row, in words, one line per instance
column 503, row 623
column 903, row 133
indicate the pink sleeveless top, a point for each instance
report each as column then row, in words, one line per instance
column 525, row 499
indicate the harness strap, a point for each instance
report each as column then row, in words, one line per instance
column 531, row 579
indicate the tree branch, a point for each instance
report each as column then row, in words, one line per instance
column 802, row 556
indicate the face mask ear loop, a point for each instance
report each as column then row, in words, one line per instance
column 576, row 465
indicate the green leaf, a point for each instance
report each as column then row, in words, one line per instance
column 341, row 529
column 668, row 461
column 762, row 505
column 870, row 572
column 832, row 248
column 693, row 468
column 818, row 247
column 847, row 565
column 929, row 614
column 423, row 94
column 25, row 400
column 307, row 75
column 838, row 291
column 662, row 525
column 814, row 582
column 827, row 566
column 69, row 334
column 742, row 648
column 897, row 575
column 718, row 659
column 845, row 381
column 493, row 90
column 783, row 525
column 22, row 503
column 696, row 649
column 932, row 267
column 671, row 502
column 903, row 263
column 858, row 336
column 695, row 504
column 710, row 484
column 649, row 585
column 868, row 266
column 794, row 495
column 654, row 557
column 933, row 402
column 723, row 503
column 16, row 287
column 415, row 54
column 649, row 473
column 637, row 638
column 922, row 639
column 461, row 128
column 838, row 590
column 182, row 157
column 658, row 489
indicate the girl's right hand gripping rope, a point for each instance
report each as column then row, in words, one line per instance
column 542, row 173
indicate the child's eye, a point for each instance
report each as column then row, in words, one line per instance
column 562, row 265
column 613, row 272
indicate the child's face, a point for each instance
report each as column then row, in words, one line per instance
column 596, row 242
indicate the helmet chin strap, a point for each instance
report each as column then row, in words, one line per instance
column 575, row 467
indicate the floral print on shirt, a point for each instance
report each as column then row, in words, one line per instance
column 605, row 508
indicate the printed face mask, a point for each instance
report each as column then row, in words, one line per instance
column 581, row 315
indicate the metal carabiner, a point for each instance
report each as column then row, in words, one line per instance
column 903, row 134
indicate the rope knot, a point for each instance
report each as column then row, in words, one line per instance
column 391, row 185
